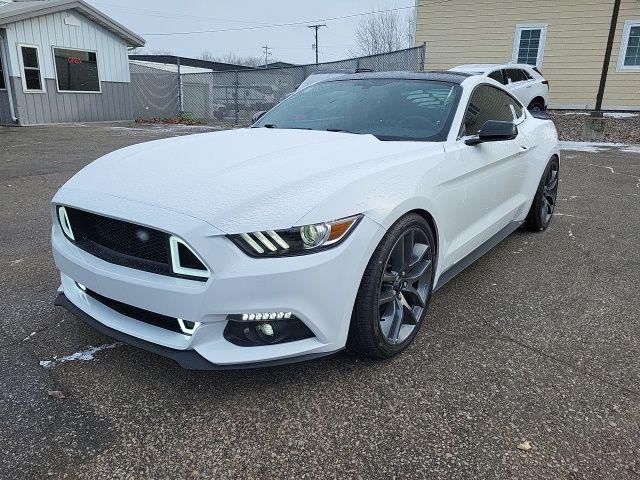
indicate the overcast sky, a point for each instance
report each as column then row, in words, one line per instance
column 291, row 43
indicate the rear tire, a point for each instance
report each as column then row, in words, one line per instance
column 395, row 290
column 537, row 105
column 544, row 202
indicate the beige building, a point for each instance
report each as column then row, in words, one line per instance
column 567, row 40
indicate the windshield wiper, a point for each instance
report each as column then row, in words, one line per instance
column 340, row 130
column 270, row 125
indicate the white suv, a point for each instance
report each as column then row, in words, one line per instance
column 525, row 82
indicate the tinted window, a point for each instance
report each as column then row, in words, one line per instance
column 489, row 103
column 390, row 109
column 76, row 70
column 31, row 68
column 2, row 85
column 498, row 76
column 529, row 45
column 515, row 75
column 632, row 55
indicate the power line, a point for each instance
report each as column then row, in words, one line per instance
column 290, row 24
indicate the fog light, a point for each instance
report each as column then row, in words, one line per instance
column 81, row 286
column 265, row 328
column 251, row 330
column 187, row 327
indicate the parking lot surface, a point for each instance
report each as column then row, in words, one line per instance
column 536, row 345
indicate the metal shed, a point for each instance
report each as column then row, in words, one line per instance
column 63, row 61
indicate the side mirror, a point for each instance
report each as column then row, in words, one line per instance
column 494, row 131
column 257, row 116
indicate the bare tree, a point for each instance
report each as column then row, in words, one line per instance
column 249, row 61
column 384, row 32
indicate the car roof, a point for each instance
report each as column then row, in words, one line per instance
column 485, row 67
column 450, row 77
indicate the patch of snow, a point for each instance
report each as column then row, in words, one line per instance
column 617, row 115
column 83, row 355
column 29, row 336
column 595, row 147
column 16, row 262
column 166, row 128
column 620, row 115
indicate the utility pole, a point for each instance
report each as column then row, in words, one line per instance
column 266, row 49
column 316, row 27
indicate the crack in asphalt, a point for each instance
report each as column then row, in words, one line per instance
column 606, row 167
column 504, row 337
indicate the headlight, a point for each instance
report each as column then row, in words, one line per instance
column 295, row 241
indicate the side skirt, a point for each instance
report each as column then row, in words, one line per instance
column 458, row 267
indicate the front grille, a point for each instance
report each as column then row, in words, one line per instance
column 128, row 244
column 156, row 319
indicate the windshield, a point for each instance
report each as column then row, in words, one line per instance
column 390, row 109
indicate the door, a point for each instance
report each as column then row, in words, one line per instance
column 520, row 84
column 493, row 172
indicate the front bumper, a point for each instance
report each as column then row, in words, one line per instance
column 319, row 288
column 188, row 359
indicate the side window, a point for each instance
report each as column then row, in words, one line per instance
column 31, row 74
column 515, row 75
column 489, row 103
column 498, row 76
column 526, row 75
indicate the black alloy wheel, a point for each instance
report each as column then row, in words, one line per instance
column 544, row 203
column 395, row 290
column 404, row 286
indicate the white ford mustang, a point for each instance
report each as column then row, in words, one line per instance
column 329, row 223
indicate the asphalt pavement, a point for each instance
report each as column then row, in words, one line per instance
column 535, row 346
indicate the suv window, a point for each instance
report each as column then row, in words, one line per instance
column 489, row 103
column 516, row 75
column 498, row 76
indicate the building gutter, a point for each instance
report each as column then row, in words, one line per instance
column 607, row 57
column 7, row 78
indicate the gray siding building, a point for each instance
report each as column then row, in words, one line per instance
column 62, row 61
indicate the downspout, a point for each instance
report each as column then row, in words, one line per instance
column 607, row 57
column 7, row 79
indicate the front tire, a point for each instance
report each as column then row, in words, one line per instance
column 395, row 290
column 544, row 202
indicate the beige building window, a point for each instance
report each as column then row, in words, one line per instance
column 528, row 45
column 629, row 58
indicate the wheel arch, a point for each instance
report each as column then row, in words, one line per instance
column 418, row 207
column 432, row 223
column 537, row 99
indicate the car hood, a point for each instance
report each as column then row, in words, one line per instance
column 246, row 179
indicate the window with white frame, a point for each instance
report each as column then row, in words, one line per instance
column 31, row 72
column 529, row 43
column 629, row 58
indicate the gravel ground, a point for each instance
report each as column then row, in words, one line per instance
column 537, row 342
column 617, row 130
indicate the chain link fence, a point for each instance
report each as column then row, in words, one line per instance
column 155, row 92
column 233, row 97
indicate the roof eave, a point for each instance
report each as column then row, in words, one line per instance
column 54, row 6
